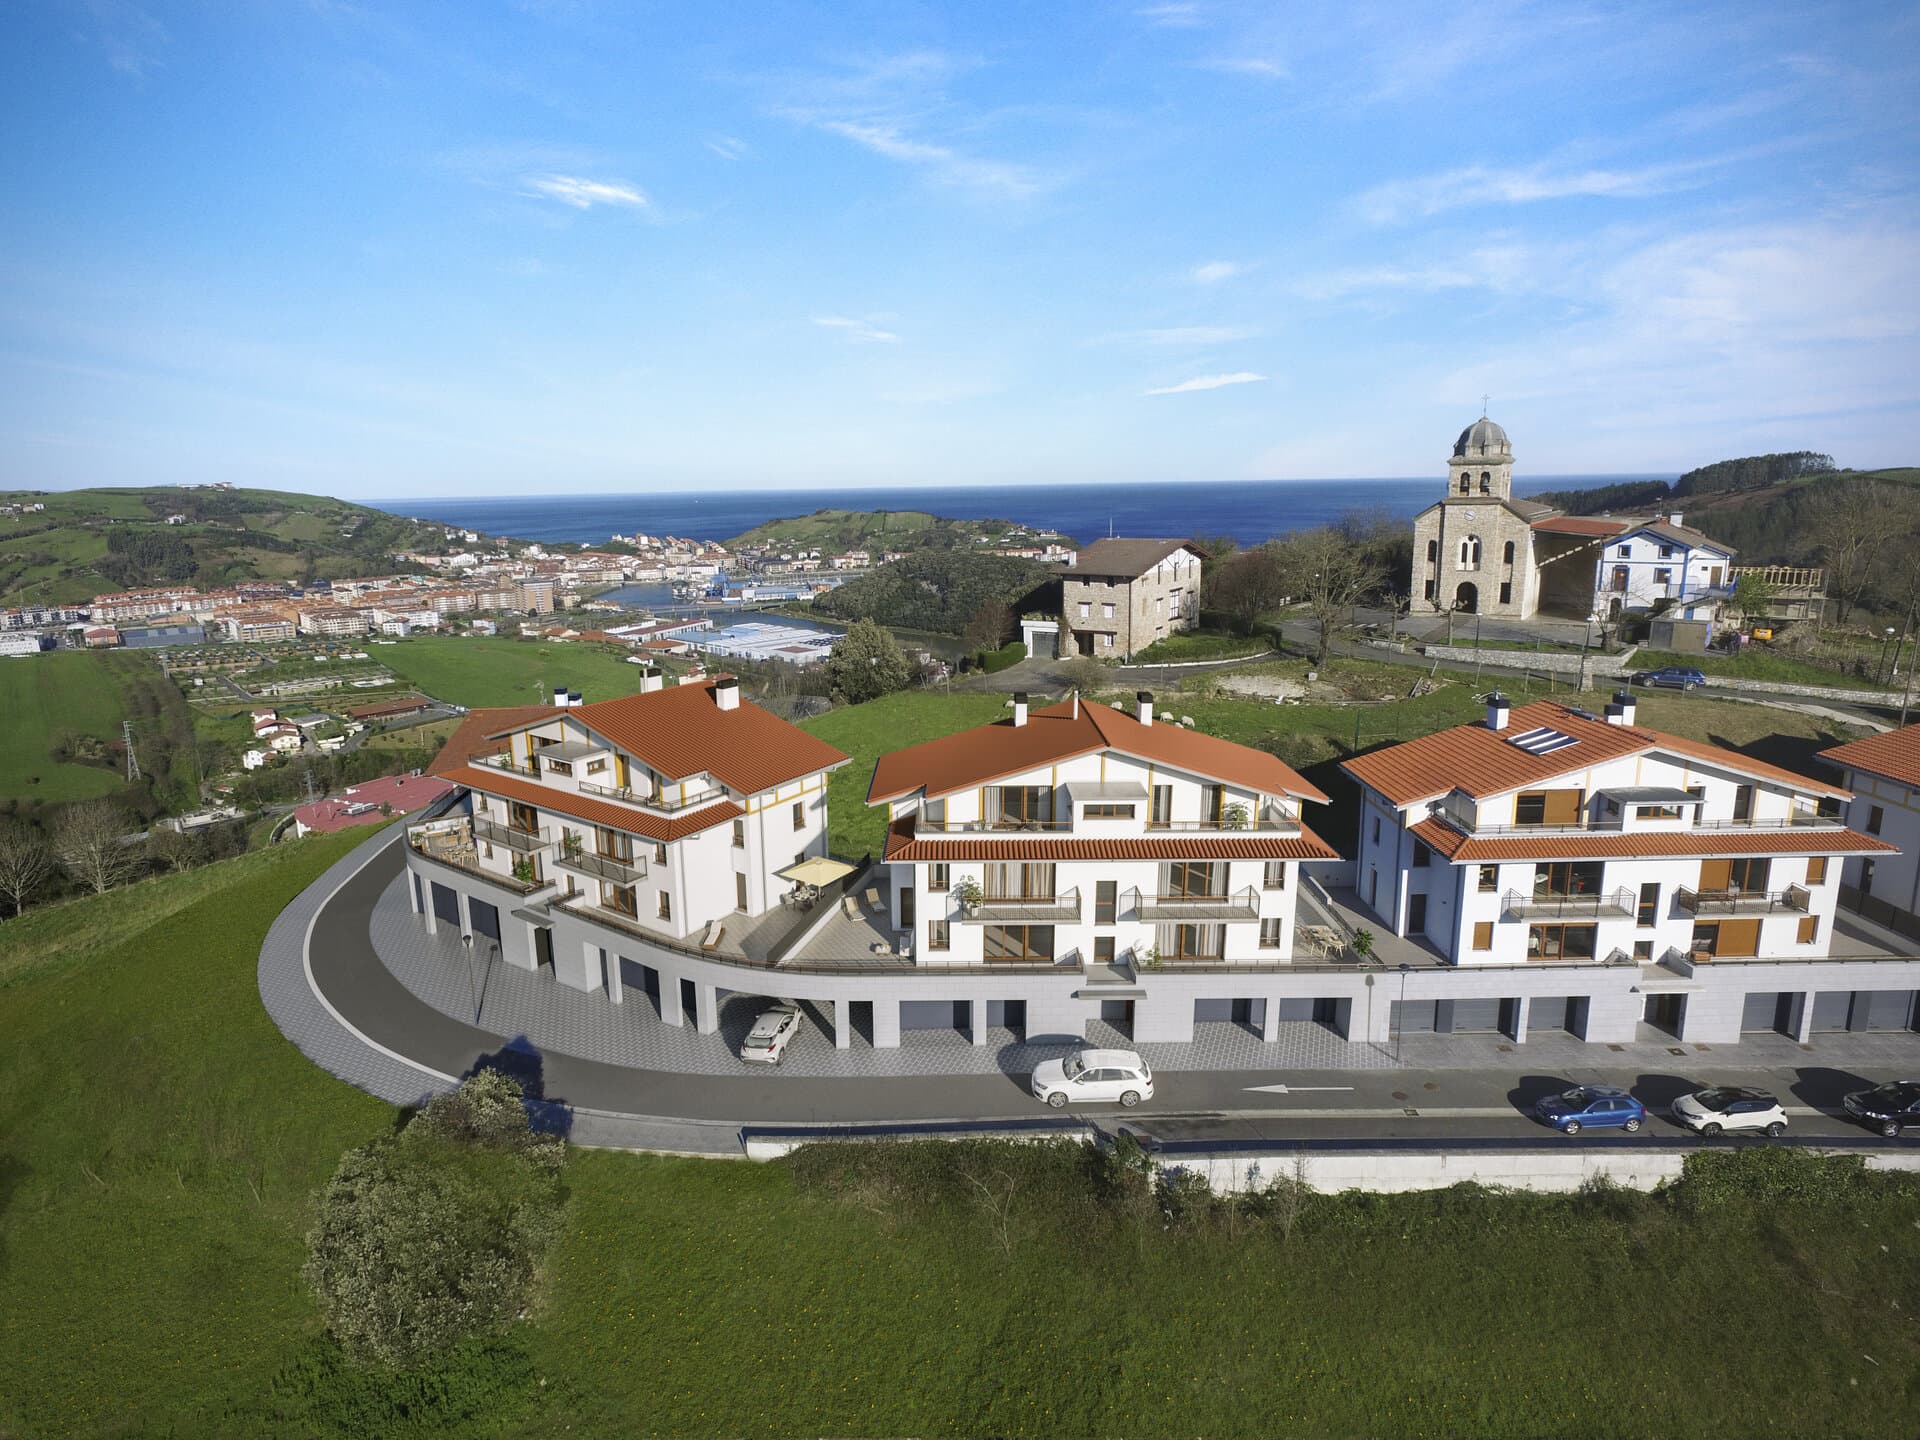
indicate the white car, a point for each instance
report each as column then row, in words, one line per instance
column 1093, row 1076
column 767, row 1042
column 1731, row 1107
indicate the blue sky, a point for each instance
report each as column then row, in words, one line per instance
column 412, row 249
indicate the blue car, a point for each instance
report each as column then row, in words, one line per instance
column 1590, row 1107
column 1673, row 677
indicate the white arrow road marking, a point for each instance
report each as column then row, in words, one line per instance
column 1294, row 1089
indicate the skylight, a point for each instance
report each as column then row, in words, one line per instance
column 1542, row 740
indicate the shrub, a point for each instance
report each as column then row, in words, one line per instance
column 1763, row 1175
column 477, row 1383
column 993, row 661
column 436, row 1234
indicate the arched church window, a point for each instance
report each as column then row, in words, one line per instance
column 1470, row 553
column 1486, row 483
column 1433, row 552
column 1509, row 552
column 1466, row 484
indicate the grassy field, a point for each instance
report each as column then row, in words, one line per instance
column 1757, row 664
column 1195, row 645
column 41, row 695
column 162, row 1144
column 494, row 670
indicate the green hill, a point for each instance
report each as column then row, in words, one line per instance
column 88, row 541
column 876, row 530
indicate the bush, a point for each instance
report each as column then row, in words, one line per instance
column 433, row 1235
column 1762, row 1175
column 477, row 1383
column 991, row 661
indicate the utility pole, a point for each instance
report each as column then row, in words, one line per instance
column 133, row 759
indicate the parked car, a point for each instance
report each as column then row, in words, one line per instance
column 1730, row 1107
column 767, row 1041
column 1888, row 1109
column 1093, row 1076
column 1590, row 1107
column 1673, row 677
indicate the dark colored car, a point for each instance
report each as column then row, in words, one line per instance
column 1673, row 677
column 1590, row 1107
column 1889, row 1109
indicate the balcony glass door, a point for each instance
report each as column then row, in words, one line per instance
column 1019, row 882
column 522, row 817
column 1017, row 805
column 1189, row 880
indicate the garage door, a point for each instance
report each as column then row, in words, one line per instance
column 933, row 1015
column 1831, row 1009
column 1549, row 1012
column 446, row 904
column 1767, row 1010
column 1212, row 1010
column 486, row 918
column 1413, row 1017
column 1882, row 1010
column 1476, row 1016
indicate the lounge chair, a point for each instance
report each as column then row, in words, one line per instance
column 716, row 932
column 850, row 907
column 872, row 897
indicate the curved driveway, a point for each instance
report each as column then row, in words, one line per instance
column 378, row 1035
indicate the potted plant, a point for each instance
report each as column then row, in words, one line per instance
column 1235, row 816
column 523, row 871
column 1362, row 943
column 1148, row 956
column 966, row 893
column 570, row 843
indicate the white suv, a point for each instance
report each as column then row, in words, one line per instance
column 766, row 1043
column 1092, row 1076
column 1731, row 1107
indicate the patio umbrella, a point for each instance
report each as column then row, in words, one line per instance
column 820, row 870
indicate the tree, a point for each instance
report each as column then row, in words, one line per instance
column 1253, row 584
column 88, row 840
column 26, row 862
column 866, row 664
column 990, row 627
column 1849, row 526
column 1331, row 575
column 173, row 848
column 1751, row 596
column 435, row 1234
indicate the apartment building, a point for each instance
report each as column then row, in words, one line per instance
column 1883, row 772
column 127, row 605
column 258, row 625
column 329, row 619
column 1553, row 868
column 1121, row 595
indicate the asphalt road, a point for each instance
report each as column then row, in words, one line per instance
column 1401, row 1107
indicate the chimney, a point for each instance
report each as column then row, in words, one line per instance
column 1143, row 706
column 1674, row 518
column 1497, row 711
column 726, row 693
column 574, row 702
column 1624, row 702
column 650, row 680
column 560, row 697
column 1020, row 707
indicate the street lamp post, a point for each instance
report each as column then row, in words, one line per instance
column 1883, row 654
column 1400, row 1027
column 473, row 988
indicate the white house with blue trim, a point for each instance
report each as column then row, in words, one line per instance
column 1655, row 560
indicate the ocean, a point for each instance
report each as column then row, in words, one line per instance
column 1249, row 511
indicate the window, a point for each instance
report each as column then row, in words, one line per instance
column 1109, row 812
column 1428, row 588
column 1376, row 829
column 614, row 844
column 933, row 814
column 1466, row 484
column 1817, row 870
column 1433, row 552
column 939, row 877
column 1192, row 942
column 619, row 898
column 1866, row 877
column 1106, row 611
column 1270, row 937
column 1507, row 553
column 1190, row 879
column 1656, row 812
column 1162, row 806
column 1086, row 609
column 799, row 814
column 666, row 906
column 1015, row 805
column 1626, row 552
column 560, row 767
column 1106, row 642
column 938, row 935
column 1489, row 879
column 1663, row 577
column 660, row 853
column 1568, row 877
column 1213, row 803
column 1562, row 942
column 1643, row 950
column 1106, row 896
column 739, row 834
column 1486, row 484
column 739, row 892
column 1809, row 932
column 1019, row 882
column 1422, row 856
column 1748, row 876
column 1483, row 935
column 1470, row 553
column 1274, row 877
column 1103, row 950
column 1506, row 592
column 1876, row 817
column 1648, row 910
column 596, row 767
column 1666, row 552
column 1018, row 942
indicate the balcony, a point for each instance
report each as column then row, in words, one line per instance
column 1794, row 899
column 514, row 838
column 1463, row 819
column 1243, row 904
column 1798, row 820
column 1002, row 825
column 603, row 867
column 1271, row 820
column 508, row 764
column 450, row 843
column 1598, row 905
column 662, row 800
column 1061, row 909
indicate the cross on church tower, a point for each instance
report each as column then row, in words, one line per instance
column 1483, row 406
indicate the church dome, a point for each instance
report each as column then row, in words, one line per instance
column 1483, row 438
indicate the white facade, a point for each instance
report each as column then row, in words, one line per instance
column 1644, row 566
column 1889, row 809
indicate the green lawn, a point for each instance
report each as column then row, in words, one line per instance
column 41, row 695
column 1757, row 664
column 160, row 1144
column 1198, row 645
column 494, row 670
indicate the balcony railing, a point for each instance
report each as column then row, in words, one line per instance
column 1463, row 819
column 450, row 843
column 1000, row 825
column 1798, row 820
column 603, row 867
column 666, row 800
column 1270, row 820
column 509, row 764
column 511, row 836
column 1061, row 909
column 1242, row 904
column 1611, row 904
column 1743, row 902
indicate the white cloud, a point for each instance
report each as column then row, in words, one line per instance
column 1172, row 15
column 861, row 330
column 132, row 39
column 1259, row 67
column 945, row 164
column 585, row 194
column 1214, row 271
column 726, row 147
column 1180, row 335
column 1208, row 382
column 1400, row 200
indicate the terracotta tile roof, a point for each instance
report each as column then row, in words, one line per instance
column 1481, row 762
column 475, row 735
column 1579, row 525
column 1895, row 755
column 594, row 811
column 360, row 804
column 1124, row 558
column 1451, row 844
column 1056, row 733
column 901, row 845
column 681, row 731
